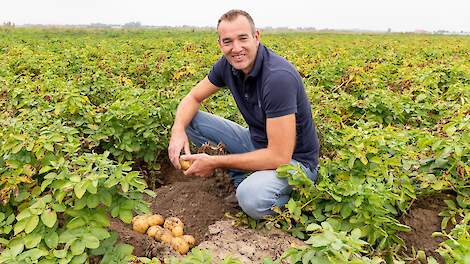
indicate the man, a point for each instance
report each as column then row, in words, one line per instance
column 270, row 95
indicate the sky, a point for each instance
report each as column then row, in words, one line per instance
column 398, row 15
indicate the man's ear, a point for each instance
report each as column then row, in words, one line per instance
column 257, row 36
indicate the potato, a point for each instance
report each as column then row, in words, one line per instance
column 177, row 231
column 138, row 218
column 151, row 231
column 159, row 231
column 156, row 219
column 171, row 222
column 179, row 245
column 190, row 240
column 166, row 237
column 185, row 164
column 139, row 224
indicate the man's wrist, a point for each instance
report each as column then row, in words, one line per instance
column 214, row 161
column 177, row 128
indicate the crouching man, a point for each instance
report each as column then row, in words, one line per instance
column 271, row 97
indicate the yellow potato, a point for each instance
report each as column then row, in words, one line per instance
column 152, row 231
column 166, row 237
column 138, row 218
column 185, row 164
column 171, row 222
column 177, row 231
column 155, row 219
column 140, row 225
column 179, row 245
column 190, row 240
column 159, row 233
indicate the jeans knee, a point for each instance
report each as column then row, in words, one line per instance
column 251, row 202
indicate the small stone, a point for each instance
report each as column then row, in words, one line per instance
column 213, row 229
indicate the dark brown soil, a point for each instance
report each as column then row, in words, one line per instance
column 423, row 218
column 198, row 202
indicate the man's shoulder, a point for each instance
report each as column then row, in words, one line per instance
column 275, row 64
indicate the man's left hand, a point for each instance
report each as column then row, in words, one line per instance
column 202, row 165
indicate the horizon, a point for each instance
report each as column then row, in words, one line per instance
column 366, row 15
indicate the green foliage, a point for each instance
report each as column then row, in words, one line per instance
column 325, row 245
column 196, row 256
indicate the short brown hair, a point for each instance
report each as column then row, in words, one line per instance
column 233, row 14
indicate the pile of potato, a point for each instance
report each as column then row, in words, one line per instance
column 172, row 232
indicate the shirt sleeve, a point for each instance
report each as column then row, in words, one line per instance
column 215, row 76
column 280, row 94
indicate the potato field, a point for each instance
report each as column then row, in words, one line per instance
column 85, row 120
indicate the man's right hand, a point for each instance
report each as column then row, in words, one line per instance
column 178, row 142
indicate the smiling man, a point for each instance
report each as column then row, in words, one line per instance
column 271, row 97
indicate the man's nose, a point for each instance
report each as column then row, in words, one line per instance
column 237, row 47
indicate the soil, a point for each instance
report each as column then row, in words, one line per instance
column 199, row 203
column 423, row 219
column 247, row 245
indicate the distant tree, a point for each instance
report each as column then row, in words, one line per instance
column 132, row 25
column 8, row 24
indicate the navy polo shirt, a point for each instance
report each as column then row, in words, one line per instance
column 273, row 88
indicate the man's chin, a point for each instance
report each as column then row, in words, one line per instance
column 238, row 66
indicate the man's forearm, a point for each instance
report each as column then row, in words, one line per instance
column 261, row 159
column 185, row 113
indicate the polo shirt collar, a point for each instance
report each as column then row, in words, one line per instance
column 257, row 66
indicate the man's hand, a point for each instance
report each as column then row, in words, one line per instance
column 202, row 165
column 178, row 142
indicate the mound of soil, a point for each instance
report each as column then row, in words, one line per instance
column 247, row 245
column 198, row 202
column 423, row 218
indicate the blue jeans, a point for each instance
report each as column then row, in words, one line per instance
column 258, row 193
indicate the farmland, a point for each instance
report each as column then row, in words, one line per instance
column 85, row 117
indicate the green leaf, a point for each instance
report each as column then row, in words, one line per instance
column 346, row 211
column 92, row 201
column 16, row 248
column 34, row 254
column 100, row 233
column 79, row 259
column 76, row 223
column 20, row 226
column 38, row 207
column 91, row 188
column 31, row 224
column 49, row 218
column 319, row 241
column 51, row 239
column 77, row 247
column 80, row 188
column 59, row 208
column 91, row 241
column 124, row 250
column 62, row 253
column 125, row 215
column 313, row 227
column 45, row 169
column 32, row 240
column 101, row 218
column 106, row 198
column 26, row 213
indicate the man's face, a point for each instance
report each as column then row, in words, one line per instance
column 238, row 43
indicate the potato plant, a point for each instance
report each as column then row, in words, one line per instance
column 77, row 107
